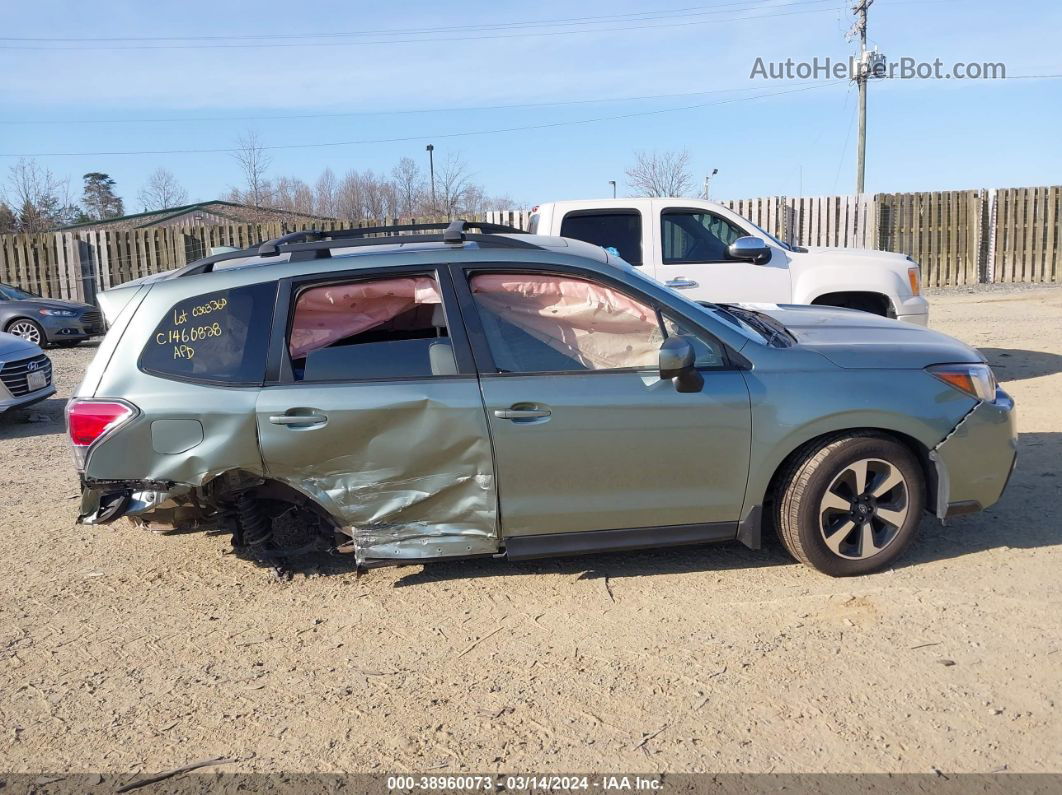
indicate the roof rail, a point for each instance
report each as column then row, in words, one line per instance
column 316, row 244
column 271, row 247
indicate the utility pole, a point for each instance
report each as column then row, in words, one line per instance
column 431, row 168
column 861, row 77
column 612, row 182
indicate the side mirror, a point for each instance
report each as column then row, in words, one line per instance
column 677, row 358
column 751, row 249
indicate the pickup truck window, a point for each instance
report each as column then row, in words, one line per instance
column 695, row 236
column 620, row 230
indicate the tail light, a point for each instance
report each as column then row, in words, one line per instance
column 88, row 421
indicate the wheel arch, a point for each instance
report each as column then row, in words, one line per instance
column 15, row 319
column 843, row 298
column 918, row 449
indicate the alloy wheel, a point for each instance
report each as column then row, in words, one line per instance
column 28, row 331
column 864, row 508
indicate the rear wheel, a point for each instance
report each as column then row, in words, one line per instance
column 850, row 504
column 27, row 329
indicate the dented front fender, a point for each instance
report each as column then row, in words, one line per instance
column 975, row 460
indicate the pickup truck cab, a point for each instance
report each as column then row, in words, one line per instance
column 712, row 254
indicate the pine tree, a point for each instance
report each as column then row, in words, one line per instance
column 99, row 199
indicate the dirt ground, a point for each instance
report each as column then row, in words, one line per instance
column 124, row 651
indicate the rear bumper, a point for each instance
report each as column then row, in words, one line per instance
column 975, row 462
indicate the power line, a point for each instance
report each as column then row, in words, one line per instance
column 565, row 21
column 444, row 39
column 284, row 117
column 425, row 136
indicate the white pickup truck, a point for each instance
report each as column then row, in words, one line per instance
column 713, row 254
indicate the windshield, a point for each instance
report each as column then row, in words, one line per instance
column 9, row 293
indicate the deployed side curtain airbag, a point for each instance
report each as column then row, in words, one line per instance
column 597, row 326
column 324, row 315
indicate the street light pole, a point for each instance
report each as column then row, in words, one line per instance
column 708, row 180
column 612, row 182
column 431, row 167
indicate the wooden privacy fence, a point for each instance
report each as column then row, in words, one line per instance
column 958, row 237
column 75, row 265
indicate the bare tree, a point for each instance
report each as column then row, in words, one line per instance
column 326, row 194
column 453, row 184
column 162, row 190
column 291, row 193
column 409, row 185
column 375, row 196
column 254, row 161
column 660, row 174
column 349, row 197
column 40, row 200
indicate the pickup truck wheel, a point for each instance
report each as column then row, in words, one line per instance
column 851, row 504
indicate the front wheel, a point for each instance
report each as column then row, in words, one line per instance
column 28, row 330
column 851, row 504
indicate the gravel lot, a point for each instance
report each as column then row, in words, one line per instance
column 124, row 651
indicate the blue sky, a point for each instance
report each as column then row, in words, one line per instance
column 924, row 135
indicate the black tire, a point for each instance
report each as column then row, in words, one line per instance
column 825, row 473
column 24, row 327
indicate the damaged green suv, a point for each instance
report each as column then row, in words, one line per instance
column 412, row 397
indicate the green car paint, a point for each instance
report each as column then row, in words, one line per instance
column 428, row 468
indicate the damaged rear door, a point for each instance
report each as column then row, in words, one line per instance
column 376, row 413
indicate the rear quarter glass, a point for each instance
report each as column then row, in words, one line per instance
column 217, row 337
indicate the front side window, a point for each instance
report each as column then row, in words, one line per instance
column 549, row 323
column 709, row 351
column 370, row 329
column 219, row 337
column 695, row 236
column 618, row 232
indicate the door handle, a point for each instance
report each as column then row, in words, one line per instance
column 521, row 414
column 681, row 283
column 299, row 420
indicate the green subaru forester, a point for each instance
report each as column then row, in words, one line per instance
column 418, row 396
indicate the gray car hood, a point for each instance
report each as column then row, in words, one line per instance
column 12, row 347
column 853, row 339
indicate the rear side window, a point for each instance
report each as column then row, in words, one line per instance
column 371, row 329
column 619, row 231
column 218, row 337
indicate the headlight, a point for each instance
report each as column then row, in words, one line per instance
column 976, row 380
column 58, row 312
column 914, row 277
